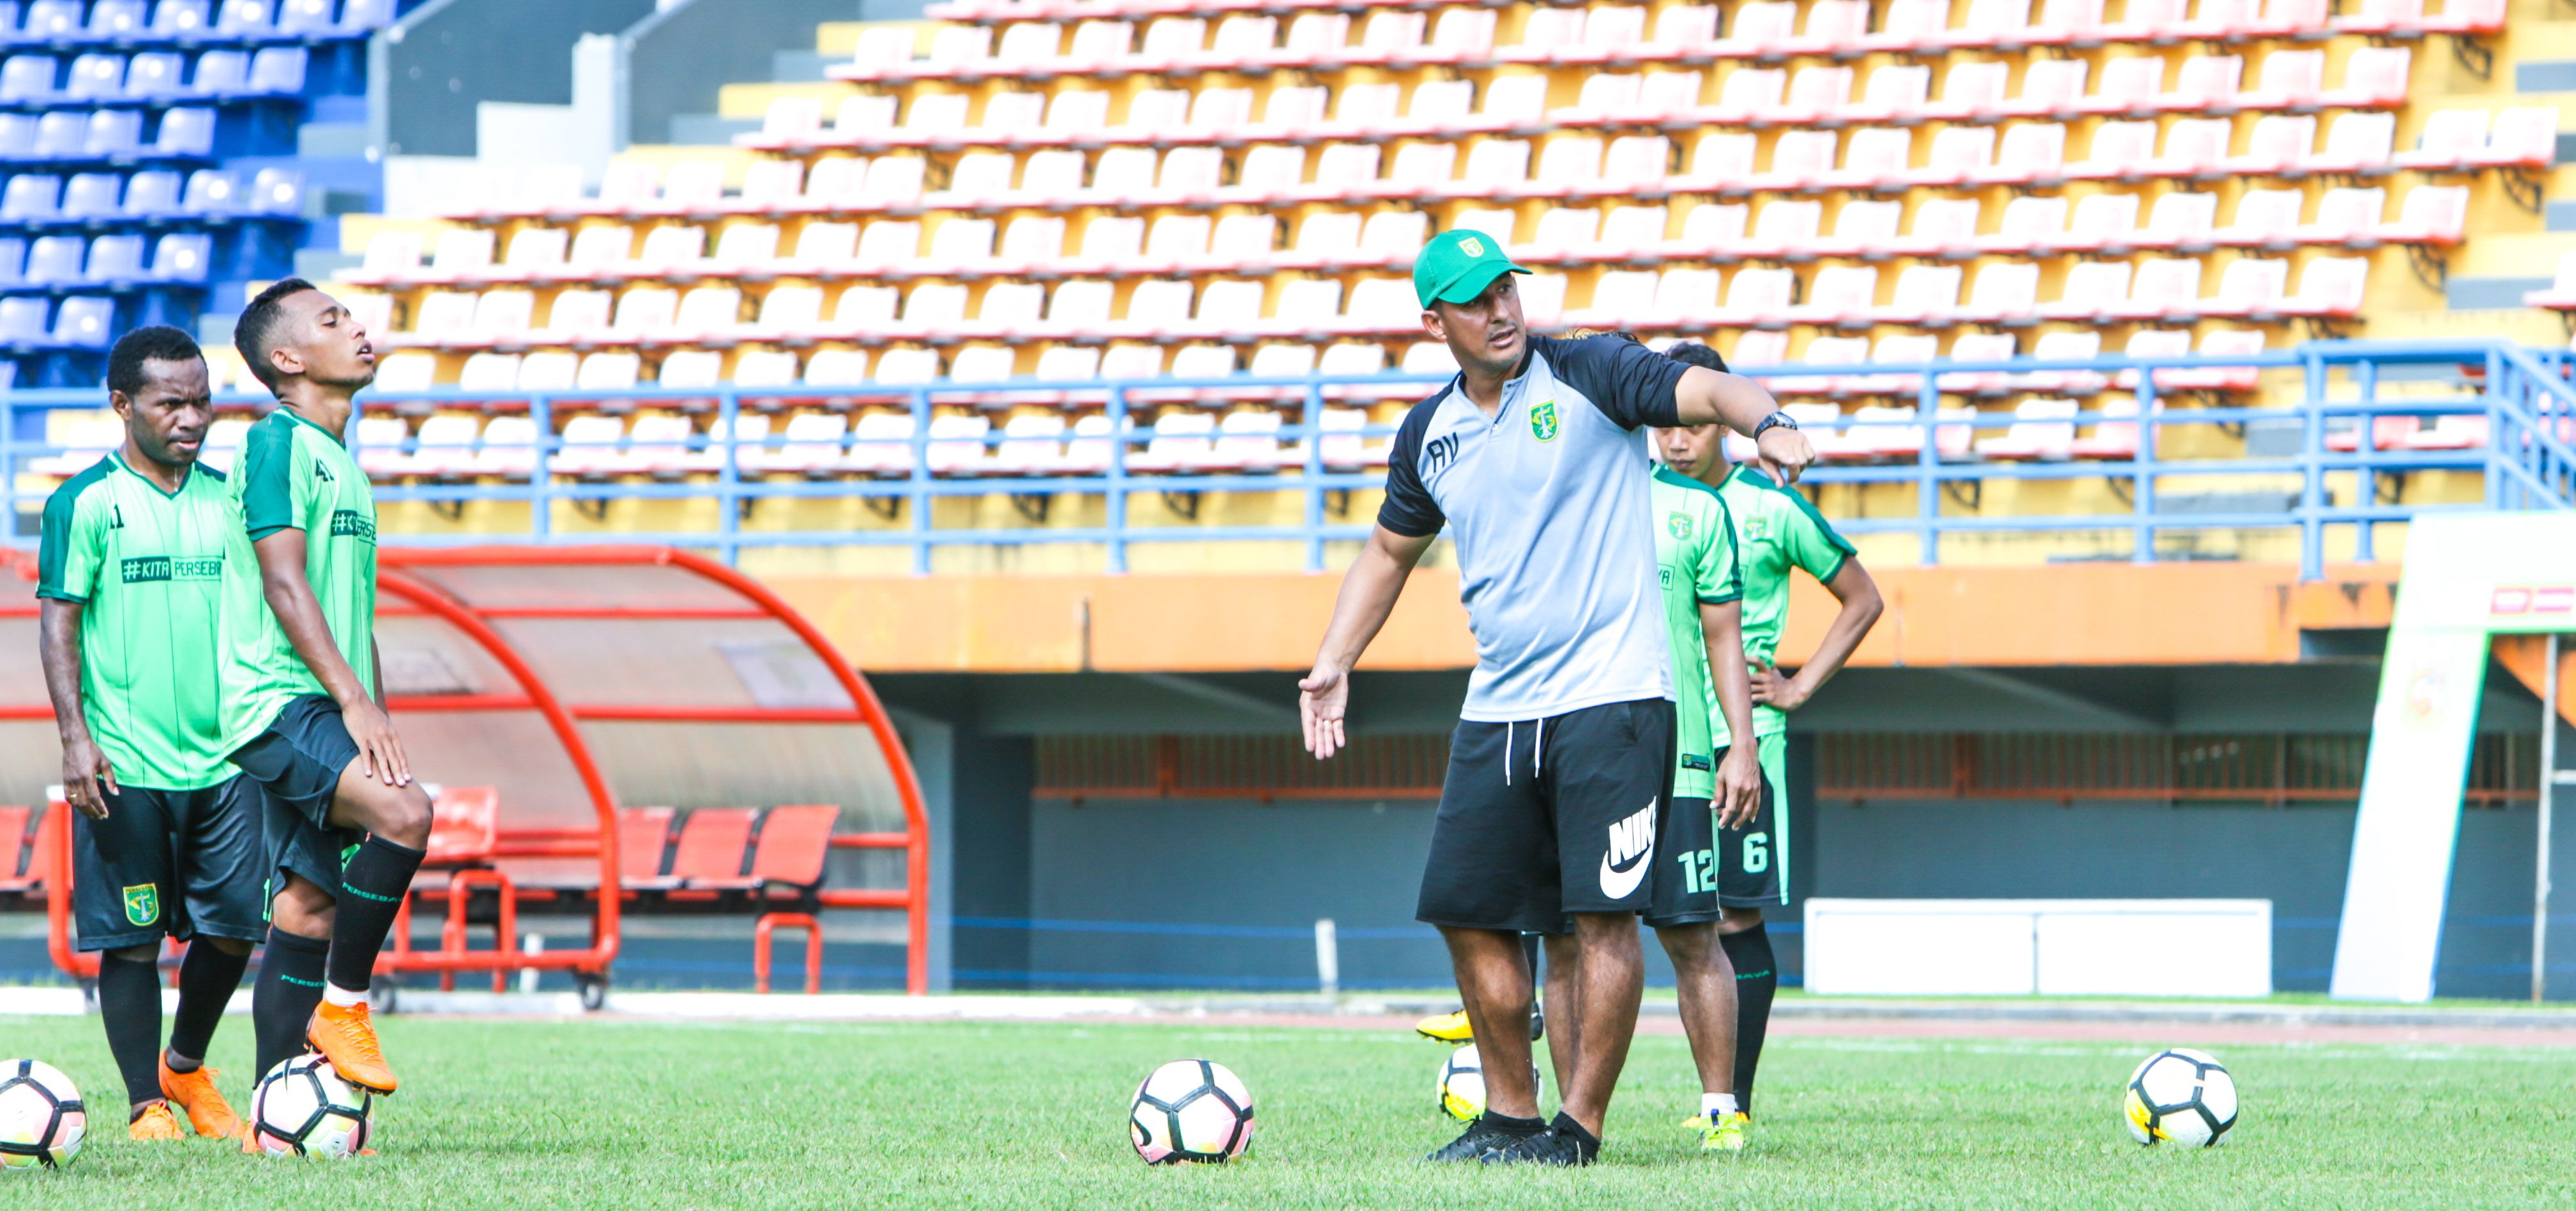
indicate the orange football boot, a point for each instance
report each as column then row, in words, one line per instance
column 346, row 1036
column 195, row 1093
column 155, row 1123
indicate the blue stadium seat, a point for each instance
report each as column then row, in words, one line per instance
column 365, row 16
column 119, row 132
column 27, row 79
column 157, row 76
column 60, row 134
column 54, row 260
column 17, row 136
column 116, row 20
column 246, row 18
column 277, row 191
column 13, row 261
column 220, row 73
column 187, row 132
column 51, row 21
column 96, row 77
column 22, row 321
column 116, row 260
column 211, row 192
column 8, row 19
column 84, row 322
column 93, row 195
column 278, row 71
column 306, row 18
column 183, row 257
column 153, row 195
column 30, row 197
column 179, row 18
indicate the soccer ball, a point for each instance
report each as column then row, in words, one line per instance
column 1191, row 1110
column 2180, row 1096
column 303, row 1108
column 41, row 1117
column 1462, row 1083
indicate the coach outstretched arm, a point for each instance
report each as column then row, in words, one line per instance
column 1368, row 595
column 1711, row 397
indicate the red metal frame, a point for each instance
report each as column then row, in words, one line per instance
column 413, row 596
column 914, row 897
column 767, row 927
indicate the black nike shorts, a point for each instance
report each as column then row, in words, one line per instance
column 298, row 760
column 170, row 863
column 1685, row 878
column 1550, row 817
column 1753, row 861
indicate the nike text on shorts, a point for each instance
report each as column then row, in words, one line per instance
column 1552, row 816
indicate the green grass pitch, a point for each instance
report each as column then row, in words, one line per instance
column 675, row 1115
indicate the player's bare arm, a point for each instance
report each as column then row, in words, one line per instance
column 85, row 768
column 1709, row 397
column 1368, row 596
column 1739, row 777
column 299, row 614
column 1861, row 606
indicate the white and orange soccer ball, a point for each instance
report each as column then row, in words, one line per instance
column 42, row 1120
column 303, row 1108
column 1191, row 1110
column 2180, row 1096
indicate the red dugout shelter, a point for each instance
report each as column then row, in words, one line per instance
column 577, row 682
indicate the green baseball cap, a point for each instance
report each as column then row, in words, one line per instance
column 1456, row 266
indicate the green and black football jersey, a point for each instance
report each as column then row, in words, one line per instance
column 1695, row 560
column 1775, row 530
column 172, row 623
column 296, row 475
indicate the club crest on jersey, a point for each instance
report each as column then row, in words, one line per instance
column 1543, row 421
column 1757, row 529
column 143, row 903
column 1680, row 526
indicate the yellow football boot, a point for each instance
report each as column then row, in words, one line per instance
column 1446, row 1027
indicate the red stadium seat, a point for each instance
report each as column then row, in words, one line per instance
column 13, row 842
column 709, row 856
column 464, row 825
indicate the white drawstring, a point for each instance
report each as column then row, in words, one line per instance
column 1538, row 752
column 1507, row 752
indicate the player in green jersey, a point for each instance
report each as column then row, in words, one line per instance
column 346, row 823
column 144, row 577
column 1777, row 530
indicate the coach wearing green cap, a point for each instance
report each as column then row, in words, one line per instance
column 1535, row 457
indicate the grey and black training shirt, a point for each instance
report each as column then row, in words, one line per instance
column 1547, row 505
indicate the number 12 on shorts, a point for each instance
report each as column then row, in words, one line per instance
column 1699, row 870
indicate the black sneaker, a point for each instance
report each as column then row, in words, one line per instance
column 1486, row 1134
column 1564, row 1144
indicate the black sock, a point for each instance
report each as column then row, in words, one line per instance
column 1757, row 979
column 207, row 979
column 282, row 1001
column 1506, row 1124
column 129, row 1002
column 376, row 880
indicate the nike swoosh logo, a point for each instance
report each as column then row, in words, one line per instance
column 1618, row 884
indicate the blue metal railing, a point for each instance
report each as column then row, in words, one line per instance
column 2528, row 459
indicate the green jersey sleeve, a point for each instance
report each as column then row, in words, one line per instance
column 1720, row 577
column 68, row 557
column 273, row 496
column 1809, row 540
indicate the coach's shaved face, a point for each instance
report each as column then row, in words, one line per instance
column 1690, row 449
column 323, row 341
column 1486, row 332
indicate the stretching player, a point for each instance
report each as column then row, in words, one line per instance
column 346, row 823
column 144, row 578
column 1776, row 530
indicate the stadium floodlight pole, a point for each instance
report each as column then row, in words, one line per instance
column 2548, row 787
